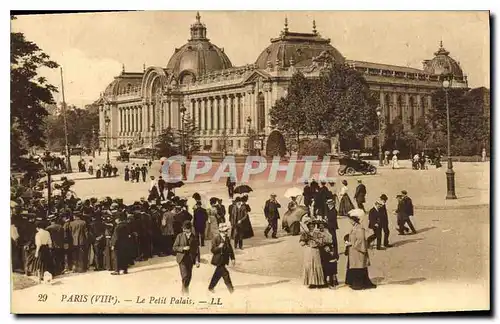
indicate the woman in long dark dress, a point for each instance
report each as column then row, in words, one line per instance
column 127, row 173
column 43, row 257
column 358, row 260
column 346, row 204
column 329, row 257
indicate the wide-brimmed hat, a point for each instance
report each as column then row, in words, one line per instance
column 52, row 217
column 354, row 218
column 330, row 201
column 384, row 197
column 357, row 212
column 223, row 227
column 404, row 192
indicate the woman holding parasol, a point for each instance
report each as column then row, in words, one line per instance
column 312, row 240
column 358, row 259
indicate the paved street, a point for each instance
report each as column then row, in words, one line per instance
column 445, row 266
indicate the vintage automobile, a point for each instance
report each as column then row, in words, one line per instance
column 350, row 165
column 124, row 156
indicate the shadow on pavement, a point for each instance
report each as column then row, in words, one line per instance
column 259, row 285
column 425, row 229
column 403, row 242
column 410, row 281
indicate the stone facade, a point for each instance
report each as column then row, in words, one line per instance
column 226, row 102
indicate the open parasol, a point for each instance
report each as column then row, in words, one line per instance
column 293, row 216
column 173, row 185
column 242, row 189
column 293, row 192
column 395, row 152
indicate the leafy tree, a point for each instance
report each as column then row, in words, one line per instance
column 189, row 136
column 167, row 144
column 422, row 131
column 81, row 123
column 29, row 95
column 349, row 105
column 287, row 115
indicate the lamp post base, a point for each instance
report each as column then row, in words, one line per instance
column 450, row 181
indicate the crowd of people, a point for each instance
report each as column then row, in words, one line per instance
column 318, row 231
column 75, row 235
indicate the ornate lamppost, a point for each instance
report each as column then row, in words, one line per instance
column 380, row 157
column 107, row 121
column 48, row 164
column 183, row 165
column 450, row 174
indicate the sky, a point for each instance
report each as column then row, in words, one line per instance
column 92, row 47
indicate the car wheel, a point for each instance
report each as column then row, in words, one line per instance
column 350, row 171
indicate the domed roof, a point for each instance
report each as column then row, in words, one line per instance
column 300, row 48
column 198, row 56
column 443, row 63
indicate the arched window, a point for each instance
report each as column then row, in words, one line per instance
column 261, row 111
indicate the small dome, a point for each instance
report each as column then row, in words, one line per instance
column 443, row 63
column 198, row 56
column 298, row 48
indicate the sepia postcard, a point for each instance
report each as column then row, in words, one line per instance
column 244, row 162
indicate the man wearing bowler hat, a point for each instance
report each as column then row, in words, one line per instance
column 187, row 248
column 272, row 215
column 222, row 252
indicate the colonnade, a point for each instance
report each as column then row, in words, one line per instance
column 410, row 106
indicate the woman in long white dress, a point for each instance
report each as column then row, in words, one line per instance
column 395, row 163
column 345, row 202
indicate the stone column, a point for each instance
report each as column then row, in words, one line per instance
column 267, row 107
column 237, row 112
column 217, row 113
column 230, row 113
column 211, row 115
column 203, row 113
column 406, row 110
column 395, row 107
column 382, row 103
column 223, row 108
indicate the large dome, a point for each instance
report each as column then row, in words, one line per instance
column 198, row 56
column 300, row 48
column 443, row 63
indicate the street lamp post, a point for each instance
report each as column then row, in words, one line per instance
column 379, row 115
column 48, row 162
column 183, row 164
column 107, row 121
column 249, row 122
column 450, row 174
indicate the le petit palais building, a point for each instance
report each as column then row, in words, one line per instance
column 226, row 101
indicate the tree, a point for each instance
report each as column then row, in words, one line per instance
column 422, row 131
column 29, row 95
column 188, row 135
column 348, row 105
column 80, row 122
column 469, row 122
column 287, row 115
column 167, row 144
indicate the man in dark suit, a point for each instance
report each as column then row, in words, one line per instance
column 161, row 187
column 200, row 218
column 332, row 223
column 272, row 215
column 307, row 194
column 222, row 253
column 384, row 220
column 187, row 248
column 360, row 195
column 374, row 224
column 97, row 228
column 120, row 245
column 79, row 235
column 230, row 184
column 320, row 201
column 404, row 212
column 237, row 219
column 57, row 236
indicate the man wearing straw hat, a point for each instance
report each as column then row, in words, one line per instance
column 222, row 252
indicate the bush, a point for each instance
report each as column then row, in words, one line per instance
column 314, row 147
